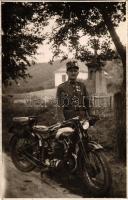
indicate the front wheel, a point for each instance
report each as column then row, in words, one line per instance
column 18, row 158
column 96, row 173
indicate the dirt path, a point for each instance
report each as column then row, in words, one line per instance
column 27, row 185
column 30, row 185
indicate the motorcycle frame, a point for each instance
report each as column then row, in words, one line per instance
column 83, row 146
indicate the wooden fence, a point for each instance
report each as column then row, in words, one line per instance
column 99, row 105
column 102, row 105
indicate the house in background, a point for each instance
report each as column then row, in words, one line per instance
column 61, row 75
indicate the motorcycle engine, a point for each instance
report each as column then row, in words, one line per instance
column 59, row 159
column 58, row 156
column 54, row 153
column 58, row 149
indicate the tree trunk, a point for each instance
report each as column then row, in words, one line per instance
column 120, row 119
column 120, row 48
column 120, row 98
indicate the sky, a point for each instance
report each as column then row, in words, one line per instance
column 45, row 53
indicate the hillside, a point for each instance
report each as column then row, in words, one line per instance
column 42, row 77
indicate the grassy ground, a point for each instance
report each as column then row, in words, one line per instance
column 103, row 132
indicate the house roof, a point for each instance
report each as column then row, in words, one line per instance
column 82, row 68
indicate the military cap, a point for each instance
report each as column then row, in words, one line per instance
column 72, row 64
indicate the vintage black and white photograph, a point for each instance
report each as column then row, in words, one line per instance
column 63, row 99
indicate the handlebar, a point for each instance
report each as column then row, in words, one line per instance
column 92, row 120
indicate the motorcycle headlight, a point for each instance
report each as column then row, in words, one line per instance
column 85, row 125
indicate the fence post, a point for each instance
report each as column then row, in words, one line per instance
column 110, row 102
column 94, row 106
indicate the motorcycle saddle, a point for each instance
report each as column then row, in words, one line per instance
column 20, row 119
column 24, row 120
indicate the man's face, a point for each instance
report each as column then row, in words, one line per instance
column 72, row 74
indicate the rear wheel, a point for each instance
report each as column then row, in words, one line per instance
column 18, row 158
column 96, row 173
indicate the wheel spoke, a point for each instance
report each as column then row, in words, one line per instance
column 95, row 170
column 96, row 173
column 22, row 145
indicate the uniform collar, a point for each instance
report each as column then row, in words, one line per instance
column 72, row 82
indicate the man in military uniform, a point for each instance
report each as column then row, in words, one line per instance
column 72, row 95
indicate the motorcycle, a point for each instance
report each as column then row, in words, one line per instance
column 62, row 146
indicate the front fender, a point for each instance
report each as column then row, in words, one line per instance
column 94, row 146
column 20, row 131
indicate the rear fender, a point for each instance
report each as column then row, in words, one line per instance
column 12, row 138
column 12, row 129
column 94, row 146
column 19, row 130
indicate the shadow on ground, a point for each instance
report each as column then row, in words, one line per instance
column 73, row 183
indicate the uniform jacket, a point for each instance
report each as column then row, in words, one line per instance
column 73, row 98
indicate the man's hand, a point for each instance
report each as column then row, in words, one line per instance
column 93, row 119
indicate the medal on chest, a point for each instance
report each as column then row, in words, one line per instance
column 78, row 88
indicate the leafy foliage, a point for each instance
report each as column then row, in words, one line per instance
column 23, row 22
column 19, row 39
column 76, row 18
